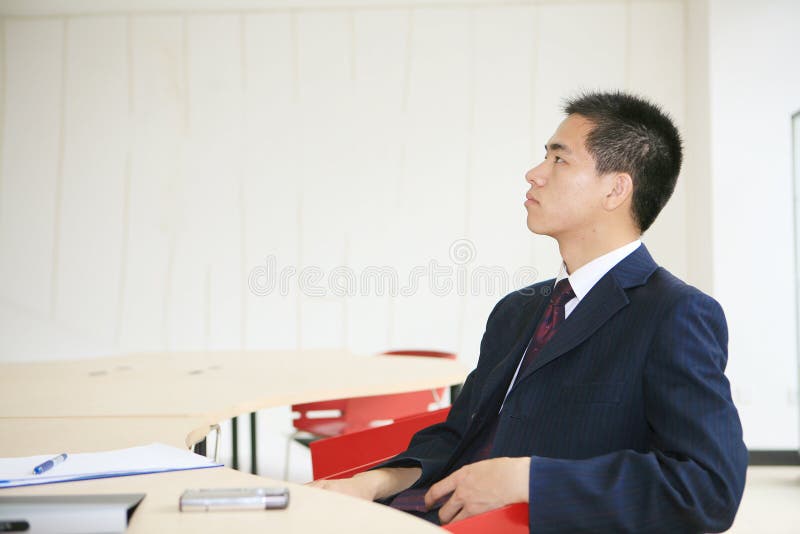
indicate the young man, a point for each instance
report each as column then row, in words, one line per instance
column 599, row 399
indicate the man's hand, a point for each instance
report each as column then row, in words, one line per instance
column 375, row 484
column 480, row 487
column 355, row 487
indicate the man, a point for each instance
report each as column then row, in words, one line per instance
column 600, row 399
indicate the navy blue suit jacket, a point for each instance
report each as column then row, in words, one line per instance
column 626, row 413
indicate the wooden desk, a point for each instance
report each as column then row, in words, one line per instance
column 310, row 510
column 43, row 435
column 102, row 403
column 769, row 505
column 205, row 388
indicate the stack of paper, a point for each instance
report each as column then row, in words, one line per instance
column 153, row 458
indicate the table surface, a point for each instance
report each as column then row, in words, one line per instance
column 310, row 509
column 769, row 504
column 54, row 435
column 204, row 388
column 107, row 403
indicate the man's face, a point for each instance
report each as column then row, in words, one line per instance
column 566, row 193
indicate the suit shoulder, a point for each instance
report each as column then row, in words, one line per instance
column 511, row 303
column 671, row 290
column 522, row 296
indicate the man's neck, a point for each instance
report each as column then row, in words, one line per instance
column 578, row 252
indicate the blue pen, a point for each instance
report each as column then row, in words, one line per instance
column 49, row 464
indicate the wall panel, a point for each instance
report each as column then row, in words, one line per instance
column 217, row 147
column 30, row 155
column 657, row 28
column 157, row 169
column 271, row 185
column 92, row 220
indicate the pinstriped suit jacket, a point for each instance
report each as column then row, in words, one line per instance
column 626, row 413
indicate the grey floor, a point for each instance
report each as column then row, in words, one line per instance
column 771, row 502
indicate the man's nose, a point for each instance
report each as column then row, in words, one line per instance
column 536, row 175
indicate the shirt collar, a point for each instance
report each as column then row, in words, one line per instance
column 584, row 279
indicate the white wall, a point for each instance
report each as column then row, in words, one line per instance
column 755, row 88
column 152, row 159
column 154, row 155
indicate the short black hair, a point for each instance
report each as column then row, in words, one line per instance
column 635, row 136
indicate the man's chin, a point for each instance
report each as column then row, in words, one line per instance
column 536, row 228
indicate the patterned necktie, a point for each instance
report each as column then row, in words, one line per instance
column 553, row 316
column 412, row 500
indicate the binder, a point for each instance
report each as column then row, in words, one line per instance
column 68, row 514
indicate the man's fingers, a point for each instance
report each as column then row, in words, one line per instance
column 462, row 514
column 450, row 509
column 440, row 489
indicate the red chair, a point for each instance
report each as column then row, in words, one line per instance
column 336, row 417
column 346, row 455
column 511, row 519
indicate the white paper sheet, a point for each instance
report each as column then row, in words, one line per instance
column 153, row 458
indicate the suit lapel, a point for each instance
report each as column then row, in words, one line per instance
column 500, row 375
column 604, row 300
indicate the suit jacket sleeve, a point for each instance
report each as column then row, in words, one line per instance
column 692, row 478
column 431, row 448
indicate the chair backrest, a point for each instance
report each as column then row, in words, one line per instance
column 360, row 413
column 344, row 456
column 511, row 519
column 335, row 417
column 421, row 352
column 324, row 418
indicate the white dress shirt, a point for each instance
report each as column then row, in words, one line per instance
column 582, row 281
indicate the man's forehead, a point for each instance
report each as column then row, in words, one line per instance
column 570, row 136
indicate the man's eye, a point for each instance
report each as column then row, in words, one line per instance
column 558, row 159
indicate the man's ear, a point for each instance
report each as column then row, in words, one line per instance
column 621, row 190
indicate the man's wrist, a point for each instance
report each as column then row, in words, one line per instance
column 388, row 481
column 371, row 480
column 522, row 479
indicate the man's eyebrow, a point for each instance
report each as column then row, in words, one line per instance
column 552, row 147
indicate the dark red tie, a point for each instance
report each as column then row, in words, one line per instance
column 553, row 316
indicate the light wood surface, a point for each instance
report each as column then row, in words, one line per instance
column 175, row 397
column 108, row 403
column 770, row 504
column 213, row 386
column 54, row 435
column 310, row 510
